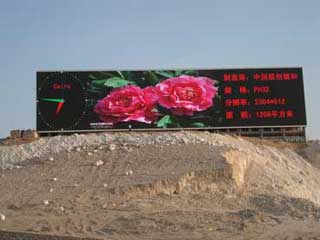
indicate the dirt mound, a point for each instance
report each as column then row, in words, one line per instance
column 184, row 185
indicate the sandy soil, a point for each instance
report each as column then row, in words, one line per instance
column 189, row 190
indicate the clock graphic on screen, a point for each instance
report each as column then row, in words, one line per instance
column 61, row 101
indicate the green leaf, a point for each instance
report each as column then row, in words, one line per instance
column 197, row 124
column 116, row 82
column 95, row 91
column 153, row 77
column 189, row 72
column 164, row 74
column 121, row 75
column 165, row 121
column 92, row 77
column 99, row 82
column 199, row 116
column 109, row 74
column 178, row 73
column 96, row 88
column 127, row 75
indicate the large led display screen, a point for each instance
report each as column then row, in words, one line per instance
column 162, row 99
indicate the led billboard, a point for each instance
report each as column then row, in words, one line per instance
column 157, row 99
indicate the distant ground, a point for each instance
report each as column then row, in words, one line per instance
column 185, row 185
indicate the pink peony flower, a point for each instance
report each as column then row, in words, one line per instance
column 129, row 103
column 185, row 95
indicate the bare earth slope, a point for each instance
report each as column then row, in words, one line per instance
column 183, row 185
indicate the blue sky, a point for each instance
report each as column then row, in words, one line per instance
column 78, row 34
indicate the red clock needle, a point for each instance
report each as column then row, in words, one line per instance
column 60, row 105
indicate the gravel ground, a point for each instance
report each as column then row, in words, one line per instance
column 12, row 156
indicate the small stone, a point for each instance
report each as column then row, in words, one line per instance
column 51, row 190
column 130, row 172
column 99, row 163
column 112, row 147
column 61, row 208
column 78, row 149
column 127, row 173
column 105, row 185
column 76, row 185
column 55, row 179
column 89, row 153
column 2, row 217
column 46, row 202
column 185, row 141
column 95, row 151
column 51, row 159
